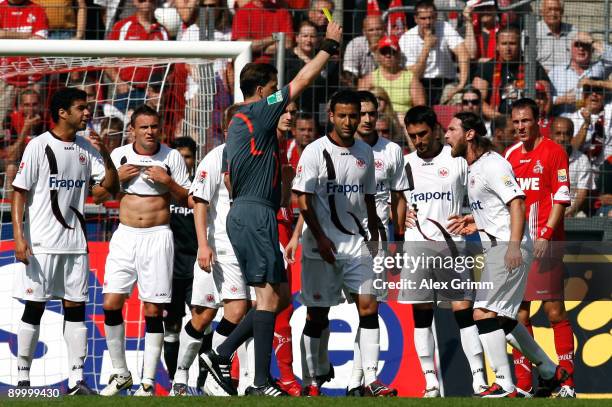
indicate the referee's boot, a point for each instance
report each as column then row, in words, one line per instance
column 324, row 378
column 547, row 386
column 270, row 389
column 219, row 368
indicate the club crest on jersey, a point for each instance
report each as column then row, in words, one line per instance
column 203, row 176
column 275, row 98
column 360, row 163
column 443, row 172
column 562, row 175
column 538, row 168
column 379, row 165
column 82, row 159
column 507, row 181
column 299, row 169
column 210, row 298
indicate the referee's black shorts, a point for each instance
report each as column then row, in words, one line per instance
column 253, row 231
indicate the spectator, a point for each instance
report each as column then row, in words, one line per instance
column 403, row 88
column 567, row 79
column 316, row 16
column 440, row 41
column 604, row 187
column 22, row 20
column 553, row 35
column 503, row 133
column 385, row 111
column 256, row 22
column 112, row 133
column 544, row 103
column 471, row 101
column 305, row 131
column 580, row 172
column 315, row 97
column 359, row 57
column 189, row 12
column 593, row 127
column 481, row 25
column 131, row 82
column 502, row 81
column 64, row 23
column 388, row 128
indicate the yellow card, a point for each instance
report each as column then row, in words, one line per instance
column 327, row 14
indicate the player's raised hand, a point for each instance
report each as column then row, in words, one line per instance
column 206, row 258
column 95, row 140
column 127, row 171
column 158, row 175
column 22, row 251
column 327, row 250
column 513, row 258
column 334, row 31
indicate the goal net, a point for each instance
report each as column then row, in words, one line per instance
column 190, row 94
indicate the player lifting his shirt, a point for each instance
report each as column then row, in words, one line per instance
column 142, row 248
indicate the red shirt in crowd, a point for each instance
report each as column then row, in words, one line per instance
column 27, row 18
column 130, row 29
column 543, row 174
column 254, row 22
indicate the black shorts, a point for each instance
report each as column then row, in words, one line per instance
column 181, row 296
column 253, row 231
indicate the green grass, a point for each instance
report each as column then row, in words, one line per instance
column 294, row 402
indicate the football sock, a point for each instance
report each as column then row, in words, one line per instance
column 154, row 339
column 369, row 345
column 224, row 329
column 472, row 348
column 27, row 339
column 520, row 339
column 282, row 345
column 114, row 329
column 357, row 372
column 263, row 334
column 190, row 343
column 323, row 363
column 522, row 365
column 494, row 344
column 425, row 346
column 171, row 349
column 240, row 334
column 311, row 340
column 564, row 345
column 75, row 335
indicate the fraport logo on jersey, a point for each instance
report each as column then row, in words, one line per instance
column 333, row 188
column 428, row 196
column 476, row 205
column 57, row 183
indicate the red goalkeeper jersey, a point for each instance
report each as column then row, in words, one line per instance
column 543, row 175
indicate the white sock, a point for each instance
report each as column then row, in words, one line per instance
column 152, row 352
column 75, row 335
column 520, row 339
column 369, row 344
column 310, row 359
column 27, row 339
column 217, row 340
column 323, row 363
column 115, row 342
column 357, row 372
column 494, row 344
column 473, row 352
column 425, row 346
column 246, row 357
column 249, row 345
column 188, row 350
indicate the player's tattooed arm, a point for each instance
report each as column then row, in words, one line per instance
column 205, row 253
column 327, row 249
column 514, row 257
column 22, row 250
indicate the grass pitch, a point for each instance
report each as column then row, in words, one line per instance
column 297, row 402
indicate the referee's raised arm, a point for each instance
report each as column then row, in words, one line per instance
column 329, row 47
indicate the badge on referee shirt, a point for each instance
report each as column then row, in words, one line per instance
column 275, row 98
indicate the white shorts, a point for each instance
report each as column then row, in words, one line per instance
column 508, row 287
column 230, row 281
column 51, row 276
column 204, row 292
column 323, row 283
column 145, row 255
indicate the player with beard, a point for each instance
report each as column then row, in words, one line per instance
column 498, row 214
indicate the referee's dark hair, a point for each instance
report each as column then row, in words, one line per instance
column 367, row 96
column 345, row 97
column 421, row 114
column 63, row 99
column 529, row 104
column 471, row 121
column 254, row 75
column 143, row 110
column 184, row 142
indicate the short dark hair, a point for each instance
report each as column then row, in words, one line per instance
column 254, row 75
column 529, row 104
column 345, row 97
column 143, row 110
column 508, row 29
column 184, row 142
column 303, row 116
column 305, row 23
column 569, row 122
column 367, row 96
column 63, row 98
column 471, row 89
column 500, row 122
column 421, row 114
column 424, row 4
column 471, row 121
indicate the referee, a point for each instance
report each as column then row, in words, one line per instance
column 254, row 168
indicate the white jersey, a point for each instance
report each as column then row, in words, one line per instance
column 56, row 175
column 165, row 157
column 390, row 176
column 491, row 186
column 208, row 185
column 438, row 187
column 338, row 179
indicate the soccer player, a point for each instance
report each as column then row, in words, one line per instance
column 437, row 189
column 142, row 248
column 185, row 252
column 498, row 211
column 254, row 168
column 542, row 170
column 391, row 181
column 50, row 188
column 336, row 187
